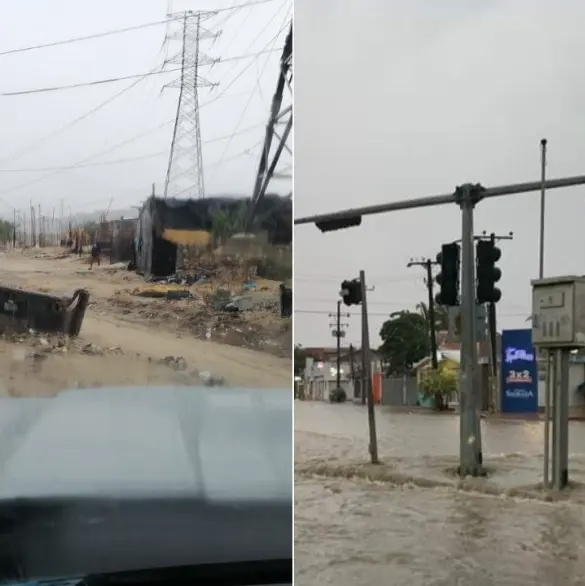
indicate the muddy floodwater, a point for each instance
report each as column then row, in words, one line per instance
column 412, row 522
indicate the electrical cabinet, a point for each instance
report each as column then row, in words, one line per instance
column 558, row 312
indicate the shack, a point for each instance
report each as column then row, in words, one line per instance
column 123, row 235
column 167, row 228
column 116, row 238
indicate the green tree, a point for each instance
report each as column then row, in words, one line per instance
column 438, row 384
column 6, row 230
column 405, row 341
column 299, row 360
column 227, row 222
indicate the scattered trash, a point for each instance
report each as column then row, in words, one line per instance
column 175, row 362
column 181, row 294
column 163, row 292
column 211, row 381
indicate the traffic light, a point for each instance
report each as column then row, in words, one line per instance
column 488, row 274
column 448, row 278
column 351, row 292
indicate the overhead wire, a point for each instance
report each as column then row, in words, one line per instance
column 120, row 161
column 242, row 71
column 87, row 159
column 39, row 142
column 87, row 83
column 141, row 76
column 85, row 37
column 272, row 41
column 111, row 32
column 385, row 314
column 101, row 153
column 138, row 76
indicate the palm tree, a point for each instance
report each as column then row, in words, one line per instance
column 441, row 315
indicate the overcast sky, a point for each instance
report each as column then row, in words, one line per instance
column 140, row 112
column 397, row 100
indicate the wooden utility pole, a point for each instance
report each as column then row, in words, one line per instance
column 428, row 266
column 338, row 333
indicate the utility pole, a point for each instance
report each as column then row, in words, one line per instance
column 352, row 365
column 14, row 232
column 185, row 167
column 338, row 333
column 32, row 226
column 62, row 236
column 428, row 265
column 543, row 143
column 353, row 292
column 367, row 369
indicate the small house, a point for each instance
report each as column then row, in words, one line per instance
column 168, row 229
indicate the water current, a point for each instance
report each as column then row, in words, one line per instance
column 410, row 521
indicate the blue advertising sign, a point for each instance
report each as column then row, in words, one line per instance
column 519, row 374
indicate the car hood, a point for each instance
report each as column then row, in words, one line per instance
column 225, row 444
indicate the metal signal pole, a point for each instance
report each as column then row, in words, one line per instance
column 466, row 197
column 367, row 368
column 543, row 143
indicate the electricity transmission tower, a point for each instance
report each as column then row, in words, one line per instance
column 278, row 130
column 185, row 168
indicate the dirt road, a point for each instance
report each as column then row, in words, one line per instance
column 117, row 345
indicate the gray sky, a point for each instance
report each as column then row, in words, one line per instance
column 142, row 110
column 397, row 100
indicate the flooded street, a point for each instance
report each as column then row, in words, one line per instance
column 411, row 521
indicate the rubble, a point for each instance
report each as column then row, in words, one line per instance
column 219, row 300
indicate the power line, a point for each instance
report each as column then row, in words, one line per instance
column 70, row 124
column 101, row 153
column 272, row 41
column 231, row 83
column 219, row 61
column 36, row 144
column 85, row 38
column 215, row 11
column 386, row 314
column 381, row 279
column 121, row 30
column 90, row 158
column 86, row 83
column 123, row 160
column 138, row 76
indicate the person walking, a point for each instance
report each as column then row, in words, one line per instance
column 96, row 253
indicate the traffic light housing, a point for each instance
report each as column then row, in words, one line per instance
column 351, row 292
column 448, row 278
column 488, row 274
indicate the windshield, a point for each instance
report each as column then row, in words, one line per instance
column 145, row 254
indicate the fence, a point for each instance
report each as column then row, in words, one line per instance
column 400, row 391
